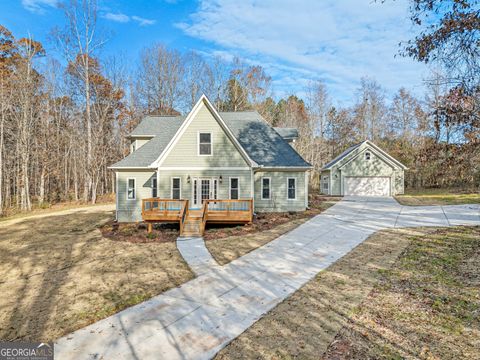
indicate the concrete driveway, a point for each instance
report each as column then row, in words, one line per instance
column 197, row 319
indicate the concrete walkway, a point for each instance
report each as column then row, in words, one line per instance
column 197, row 319
column 196, row 254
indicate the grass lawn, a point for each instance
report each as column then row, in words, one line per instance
column 438, row 197
column 229, row 243
column 47, row 208
column 408, row 293
column 59, row 274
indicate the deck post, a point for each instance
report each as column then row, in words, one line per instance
column 149, row 227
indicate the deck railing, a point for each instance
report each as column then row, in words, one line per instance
column 229, row 205
column 156, row 209
column 204, row 212
column 213, row 210
column 224, row 210
column 184, row 216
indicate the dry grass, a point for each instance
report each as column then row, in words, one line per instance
column 60, row 274
column 438, row 197
column 393, row 266
column 48, row 208
column 227, row 244
column 137, row 233
column 427, row 306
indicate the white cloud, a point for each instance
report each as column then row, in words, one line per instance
column 338, row 41
column 143, row 21
column 38, row 6
column 122, row 18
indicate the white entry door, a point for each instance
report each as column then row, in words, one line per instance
column 202, row 189
column 367, row 186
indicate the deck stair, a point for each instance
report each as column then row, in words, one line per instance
column 192, row 227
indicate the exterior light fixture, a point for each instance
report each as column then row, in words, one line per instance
column 188, row 179
column 220, row 179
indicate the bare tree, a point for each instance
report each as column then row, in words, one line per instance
column 219, row 74
column 198, row 78
column 79, row 42
column 8, row 48
column 370, row 109
column 27, row 83
column 160, row 79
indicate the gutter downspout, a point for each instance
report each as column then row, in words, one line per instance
column 116, row 196
column 330, row 187
column 252, row 188
column 307, row 177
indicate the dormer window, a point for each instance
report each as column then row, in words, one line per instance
column 204, row 143
column 367, row 155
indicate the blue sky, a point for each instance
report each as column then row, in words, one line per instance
column 337, row 41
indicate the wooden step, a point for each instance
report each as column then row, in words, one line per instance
column 192, row 227
column 191, row 234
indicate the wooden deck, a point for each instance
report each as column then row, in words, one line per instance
column 230, row 211
column 193, row 222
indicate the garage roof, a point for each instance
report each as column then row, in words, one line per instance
column 351, row 150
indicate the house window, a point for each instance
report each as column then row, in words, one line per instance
column 325, row 183
column 131, row 189
column 205, row 144
column 234, row 193
column 154, row 187
column 176, row 193
column 292, row 188
column 367, row 155
column 265, row 188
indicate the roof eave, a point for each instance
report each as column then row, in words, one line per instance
column 131, row 168
column 139, row 136
column 283, row 167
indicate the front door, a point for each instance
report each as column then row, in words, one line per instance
column 202, row 189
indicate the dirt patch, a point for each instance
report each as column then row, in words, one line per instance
column 59, row 274
column 426, row 306
column 228, row 243
column 137, row 233
column 305, row 325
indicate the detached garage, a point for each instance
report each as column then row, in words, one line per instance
column 363, row 170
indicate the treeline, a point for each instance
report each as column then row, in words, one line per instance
column 64, row 116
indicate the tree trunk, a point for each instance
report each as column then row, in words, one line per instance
column 41, row 196
column 2, row 122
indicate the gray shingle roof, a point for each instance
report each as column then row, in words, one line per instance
column 163, row 128
column 156, row 125
column 262, row 143
column 287, row 133
column 342, row 155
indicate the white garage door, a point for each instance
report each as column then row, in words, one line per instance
column 367, row 186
